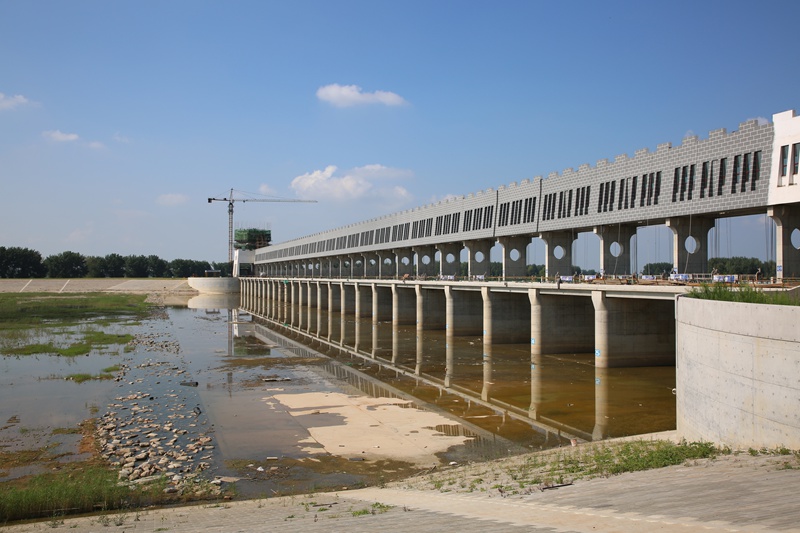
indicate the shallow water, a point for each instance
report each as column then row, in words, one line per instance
column 251, row 370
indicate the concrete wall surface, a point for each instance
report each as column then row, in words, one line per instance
column 738, row 373
column 214, row 285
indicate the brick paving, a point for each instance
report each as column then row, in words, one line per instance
column 730, row 493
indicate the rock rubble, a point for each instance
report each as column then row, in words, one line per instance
column 151, row 430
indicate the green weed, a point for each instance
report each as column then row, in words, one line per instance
column 744, row 293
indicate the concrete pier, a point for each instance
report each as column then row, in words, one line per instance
column 623, row 325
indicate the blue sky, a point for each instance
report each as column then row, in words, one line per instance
column 119, row 119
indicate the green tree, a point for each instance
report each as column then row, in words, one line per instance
column 742, row 266
column 656, row 269
column 115, row 266
column 18, row 262
column 136, row 266
column 66, row 265
column 95, row 266
column 184, row 268
column 157, row 267
column 225, row 269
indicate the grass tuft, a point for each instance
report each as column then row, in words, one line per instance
column 744, row 293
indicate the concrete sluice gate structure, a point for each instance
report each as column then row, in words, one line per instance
column 388, row 268
column 754, row 170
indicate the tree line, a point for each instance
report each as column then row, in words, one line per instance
column 16, row 262
column 723, row 265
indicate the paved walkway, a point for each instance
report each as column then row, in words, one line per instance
column 94, row 285
column 731, row 493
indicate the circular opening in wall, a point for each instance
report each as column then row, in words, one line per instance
column 406, row 261
column 372, row 262
column 450, row 258
column 479, row 257
column 514, row 255
column 346, row 264
column 359, row 264
column 691, row 244
column 387, row 261
column 559, row 252
column 796, row 238
column 615, row 249
column 426, row 260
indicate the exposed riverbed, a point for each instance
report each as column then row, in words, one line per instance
column 207, row 392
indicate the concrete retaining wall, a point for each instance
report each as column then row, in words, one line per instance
column 738, row 373
column 214, row 285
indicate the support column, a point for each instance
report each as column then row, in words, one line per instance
column 348, row 300
column 425, row 253
column 620, row 234
column 345, row 267
column 404, row 305
column 787, row 257
column 515, row 268
column 356, row 265
column 506, row 317
column 464, row 312
column 552, row 240
column 449, row 259
column 334, row 298
column 560, row 324
column 363, row 300
column 381, row 303
column 632, row 332
column 488, row 380
column 682, row 228
column 405, row 262
column 478, row 257
column 431, row 308
column 387, row 264
column 371, row 265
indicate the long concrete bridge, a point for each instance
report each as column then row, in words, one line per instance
column 754, row 170
column 624, row 325
column 386, row 268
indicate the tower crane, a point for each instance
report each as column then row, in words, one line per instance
column 230, row 199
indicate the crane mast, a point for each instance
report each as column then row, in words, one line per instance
column 230, row 199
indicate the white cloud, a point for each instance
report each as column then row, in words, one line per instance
column 59, row 136
column 121, row 138
column 96, row 145
column 361, row 182
column 266, row 190
column 10, row 102
column 172, row 199
column 351, row 95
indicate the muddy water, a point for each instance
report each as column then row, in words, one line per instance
column 558, row 396
column 240, row 379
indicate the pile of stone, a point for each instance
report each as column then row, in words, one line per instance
column 147, row 434
column 152, row 343
column 132, row 440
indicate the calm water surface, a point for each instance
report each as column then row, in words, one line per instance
column 499, row 398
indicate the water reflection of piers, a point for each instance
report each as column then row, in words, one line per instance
column 559, row 395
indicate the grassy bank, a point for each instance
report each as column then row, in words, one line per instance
column 524, row 474
column 27, row 320
column 23, row 311
column 743, row 293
